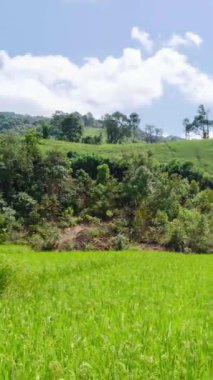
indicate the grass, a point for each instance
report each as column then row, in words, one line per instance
column 197, row 151
column 89, row 131
column 124, row 315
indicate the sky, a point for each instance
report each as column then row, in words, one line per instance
column 154, row 57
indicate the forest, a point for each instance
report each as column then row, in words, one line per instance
column 55, row 200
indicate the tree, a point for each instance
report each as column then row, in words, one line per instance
column 72, row 128
column 45, row 129
column 134, row 123
column 31, row 141
column 88, row 120
column 150, row 133
column 153, row 134
column 56, row 122
column 187, row 127
column 118, row 127
column 200, row 125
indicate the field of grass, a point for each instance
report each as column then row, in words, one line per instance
column 94, row 132
column 124, row 315
column 197, row 151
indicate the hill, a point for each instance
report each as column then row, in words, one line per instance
column 97, row 201
column 16, row 123
column 200, row 152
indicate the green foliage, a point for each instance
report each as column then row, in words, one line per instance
column 120, row 242
column 50, row 191
column 96, row 140
column 45, row 239
column 189, row 232
column 138, row 183
column 46, row 129
column 118, row 127
column 7, row 220
column 9, row 121
column 103, row 173
column 188, row 170
column 88, row 163
column 72, row 128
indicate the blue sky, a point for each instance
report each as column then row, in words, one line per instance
column 138, row 64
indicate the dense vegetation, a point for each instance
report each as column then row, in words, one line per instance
column 123, row 315
column 86, row 202
column 9, row 121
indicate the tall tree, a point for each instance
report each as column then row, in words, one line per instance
column 150, row 133
column 118, row 127
column 200, row 125
column 134, row 123
column 72, row 128
column 46, row 129
column 56, row 122
column 153, row 134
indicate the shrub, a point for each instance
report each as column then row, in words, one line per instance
column 189, row 232
column 88, row 163
column 46, row 238
column 120, row 242
column 96, row 140
column 159, row 227
column 103, row 173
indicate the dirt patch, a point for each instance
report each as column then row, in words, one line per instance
column 69, row 236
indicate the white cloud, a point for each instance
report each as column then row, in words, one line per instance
column 188, row 39
column 41, row 85
column 143, row 37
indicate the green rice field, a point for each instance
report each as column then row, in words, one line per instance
column 104, row 315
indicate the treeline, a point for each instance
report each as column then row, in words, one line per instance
column 109, row 203
column 12, row 122
column 112, row 128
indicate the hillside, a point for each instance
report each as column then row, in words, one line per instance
column 198, row 151
column 95, row 201
column 16, row 123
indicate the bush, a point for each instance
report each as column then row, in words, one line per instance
column 46, row 239
column 103, row 173
column 120, row 242
column 189, row 232
column 96, row 140
column 88, row 163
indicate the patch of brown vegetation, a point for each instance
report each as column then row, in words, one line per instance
column 69, row 236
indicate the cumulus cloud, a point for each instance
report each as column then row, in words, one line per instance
column 188, row 39
column 41, row 85
column 143, row 37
